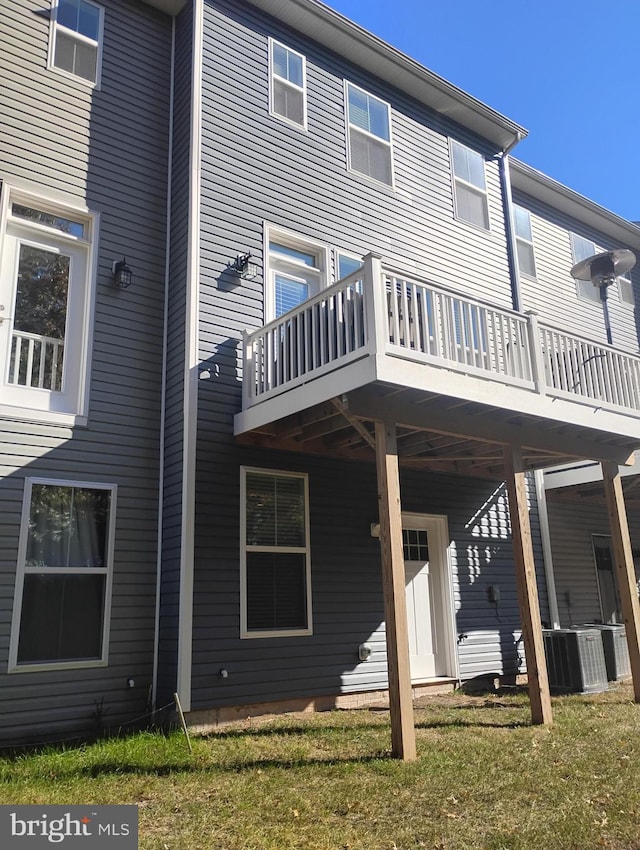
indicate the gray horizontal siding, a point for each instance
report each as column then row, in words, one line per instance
column 256, row 168
column 105, row 149
column 346, row 582
column 571, row 526
column 554, row 289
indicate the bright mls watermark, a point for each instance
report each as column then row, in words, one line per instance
column 86, row 827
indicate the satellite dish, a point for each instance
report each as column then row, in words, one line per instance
column 603, row 269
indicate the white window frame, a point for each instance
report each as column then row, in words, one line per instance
column 585, row 290
column 471, row 187
column 306, row 550
column 388, row 142
column 625, row 282
column 53, row 31
column 524, row 241
column 69, row 406
column 23, row 570
column 274, row 264
column 289, row 84
column 348, row 255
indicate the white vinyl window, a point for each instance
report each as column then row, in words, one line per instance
column 296, row 271
column 582, row 248
column 46, row 300
column 63, row 584
column 625, row 290
column 287, row 84
column 524, row 241
column 469, row 186
column 75, row 40
column 347, row 264
column 275, row 579
column 368, row 135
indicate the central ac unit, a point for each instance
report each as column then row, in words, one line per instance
column 575, row 660
column 616, row 650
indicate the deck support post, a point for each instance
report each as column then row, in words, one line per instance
column 625, row 571
column 527, row 587
column 403, row 736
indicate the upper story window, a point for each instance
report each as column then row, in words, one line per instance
column 369, row 135
column 524, row 241
column 582, row 248
column 63, row 583
column 275, row 554
column 75, row 41
column 288, row 84
column 625, row 290
column 469, row 186
column 46, row 300
column 296, row 271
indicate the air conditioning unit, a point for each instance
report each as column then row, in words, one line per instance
column 575, row 660
column 616, row 650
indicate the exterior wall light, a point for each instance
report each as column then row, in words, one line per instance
column 241, row 264
column 122, row 274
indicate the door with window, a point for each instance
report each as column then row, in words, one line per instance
column 428, row 593
column 43, row 302
column 296, row 272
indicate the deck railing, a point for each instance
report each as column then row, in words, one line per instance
column 377, row 310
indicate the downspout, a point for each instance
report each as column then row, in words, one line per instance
column 507, row 202
column 190, row 374
column 163, row 396
column 541, row 497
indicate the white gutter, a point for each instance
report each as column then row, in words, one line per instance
column 163, row 396
column 543, row 514
column 190, row 390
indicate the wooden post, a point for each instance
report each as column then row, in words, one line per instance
column 403, row 735
column 527, row 587
column 625, row 572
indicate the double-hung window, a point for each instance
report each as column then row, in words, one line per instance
column 296, row 271
column 581, row 249
column 275, row 554
column 469, row 185
column 288, row 84
column 524, row 241
column 63, row 586
column 46, row 300
column 369, row 135
column 75, row 40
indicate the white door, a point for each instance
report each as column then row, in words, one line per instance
column 426, row 582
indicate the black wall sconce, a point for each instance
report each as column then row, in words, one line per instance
column 122, row 274
column 241, row 264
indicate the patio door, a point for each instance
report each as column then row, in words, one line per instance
column 428, row 591
column 610, row 606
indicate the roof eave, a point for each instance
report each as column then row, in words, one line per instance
column 557, row 196
column 327, row 27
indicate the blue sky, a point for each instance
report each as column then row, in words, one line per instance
column 567, row 70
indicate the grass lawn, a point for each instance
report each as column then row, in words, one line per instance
column 485, row 778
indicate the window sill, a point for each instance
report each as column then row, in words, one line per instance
column 56, row 665
column 277, row 634
column 43, row 417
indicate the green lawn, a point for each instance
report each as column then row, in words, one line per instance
column 485, row 778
